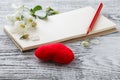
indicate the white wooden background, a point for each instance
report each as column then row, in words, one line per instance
column 98, row 62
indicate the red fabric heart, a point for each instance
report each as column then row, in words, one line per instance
column 57, row 52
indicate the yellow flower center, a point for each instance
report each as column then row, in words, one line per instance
column 22, row 26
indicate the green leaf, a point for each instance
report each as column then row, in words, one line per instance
column 33, row 11
column 36, row 8
column 22, row 17
column 49, row 12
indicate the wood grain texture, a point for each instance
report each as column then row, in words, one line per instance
column 97, row 62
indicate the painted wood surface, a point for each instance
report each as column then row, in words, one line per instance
column 100, row 61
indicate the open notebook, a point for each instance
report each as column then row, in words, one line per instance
column 65, row 26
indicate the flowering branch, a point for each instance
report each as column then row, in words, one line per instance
column 24, row 20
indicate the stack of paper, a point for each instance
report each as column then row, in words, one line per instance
column 64, row 26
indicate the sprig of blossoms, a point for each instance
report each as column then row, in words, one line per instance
column 24, row 19
column 85, row 43
column 88, row 42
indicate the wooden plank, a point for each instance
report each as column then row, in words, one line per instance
column 98, row 62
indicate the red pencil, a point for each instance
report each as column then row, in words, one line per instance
column 95, row 18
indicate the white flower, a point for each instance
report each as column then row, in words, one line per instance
column 30, row 21
column 20, row 24
column 28, row 18
column 19, row 27
column 85, row 43
column 14, row 17
column 17, row 16
column 19, row 8
column 11, row 18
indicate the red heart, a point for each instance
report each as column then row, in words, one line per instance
column 57, row 52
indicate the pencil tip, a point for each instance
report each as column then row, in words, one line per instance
column 101, row 3
column 87, row 32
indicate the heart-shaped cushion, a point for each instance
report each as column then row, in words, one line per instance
column 56, row 52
